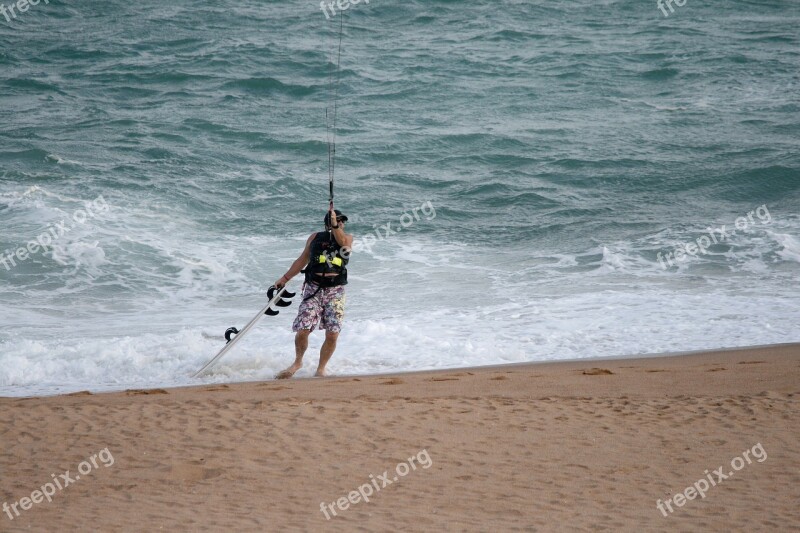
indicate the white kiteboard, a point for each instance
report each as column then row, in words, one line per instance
column 233, row 335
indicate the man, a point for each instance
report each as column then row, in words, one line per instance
column 325, row 259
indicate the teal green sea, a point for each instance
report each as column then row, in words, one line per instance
column 562, row 158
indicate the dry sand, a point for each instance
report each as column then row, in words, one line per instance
column 571, row 446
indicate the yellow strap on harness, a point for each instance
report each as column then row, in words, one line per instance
column 337, row 261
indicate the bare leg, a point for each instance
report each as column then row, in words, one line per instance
column 325, row 353
column 300, row 346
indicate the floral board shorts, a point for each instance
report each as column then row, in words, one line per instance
column 325, row 309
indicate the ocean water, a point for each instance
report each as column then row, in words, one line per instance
column 516, row 174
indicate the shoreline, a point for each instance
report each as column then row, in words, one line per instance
column 764, row 348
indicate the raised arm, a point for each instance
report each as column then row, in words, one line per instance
column 343, row 239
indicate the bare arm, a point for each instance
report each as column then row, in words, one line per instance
column 298, row 264
column 343, row 239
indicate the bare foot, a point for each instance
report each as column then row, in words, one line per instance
column 321, row 373
column 289, row 372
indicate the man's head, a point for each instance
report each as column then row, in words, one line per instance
column 340, row 218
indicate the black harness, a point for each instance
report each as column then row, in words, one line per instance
column 326, row 257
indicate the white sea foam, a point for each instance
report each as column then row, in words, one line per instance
column 143, row 306
column 458, row 317
column 790, row 244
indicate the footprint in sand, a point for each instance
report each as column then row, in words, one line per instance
column 393, row 381
column 193, row 473
column 26, row 438
column 597, row 372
